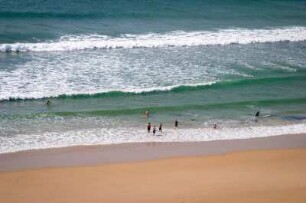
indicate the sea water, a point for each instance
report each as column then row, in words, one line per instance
column 102, row 64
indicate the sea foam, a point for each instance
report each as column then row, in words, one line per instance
column 98, row 136
column 171, row 39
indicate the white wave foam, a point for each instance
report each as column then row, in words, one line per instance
column 126, row 135
column 9, row 96
column 176, row 39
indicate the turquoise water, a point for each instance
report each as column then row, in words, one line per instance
column 102, row 64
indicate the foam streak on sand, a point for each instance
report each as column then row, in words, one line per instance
column 176, row 39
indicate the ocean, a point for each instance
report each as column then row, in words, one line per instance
column 102, row 64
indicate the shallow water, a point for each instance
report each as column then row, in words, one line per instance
column 102, row 66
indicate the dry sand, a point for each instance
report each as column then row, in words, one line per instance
column 275, row 175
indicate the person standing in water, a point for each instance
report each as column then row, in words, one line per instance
column 149, row 127
column 160, row 129
column 176, row 123
column 147, row 113
column 154, row 130
column 48, row 103
column 257, row 116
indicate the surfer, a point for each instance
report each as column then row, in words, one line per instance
column 48, row 103
column 160, row 129
column 154, row 130
column 149, row 127
column 215, row 126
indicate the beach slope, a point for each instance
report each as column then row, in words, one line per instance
column 271, row 175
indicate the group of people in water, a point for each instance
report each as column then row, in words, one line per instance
column 160, row 129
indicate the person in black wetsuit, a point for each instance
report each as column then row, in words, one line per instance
column 176, row 123
column 257, row 114
column 149, row 127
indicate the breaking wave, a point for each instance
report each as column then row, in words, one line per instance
column 154, row 40
column 156, row 90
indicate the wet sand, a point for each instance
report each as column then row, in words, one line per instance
column 132, row 152
column 254, row 170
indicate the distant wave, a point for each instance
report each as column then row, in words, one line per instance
column 71, row 15
column 160, row 90
column 171, row 39
column 12, row 14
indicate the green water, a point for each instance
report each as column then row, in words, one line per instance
column 102, row 64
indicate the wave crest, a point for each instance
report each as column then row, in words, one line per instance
column 157, row 90
column 113, row 93
column 154, row 40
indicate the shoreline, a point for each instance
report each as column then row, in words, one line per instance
column 88, row 155
column 105, row 136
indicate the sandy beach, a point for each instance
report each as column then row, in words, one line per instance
column 254, row 170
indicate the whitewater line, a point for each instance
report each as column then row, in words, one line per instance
column 154, row 40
